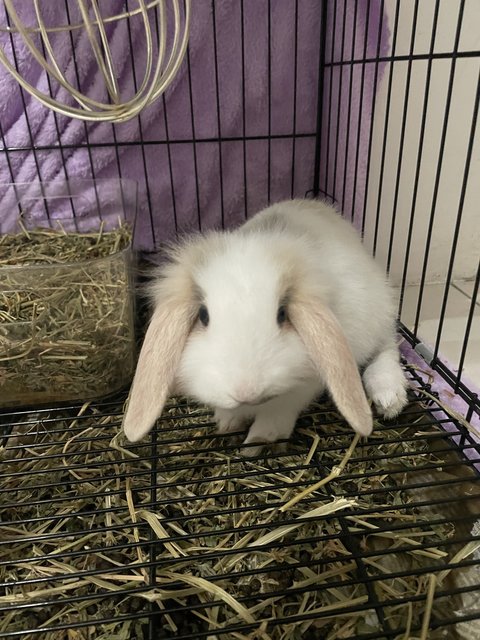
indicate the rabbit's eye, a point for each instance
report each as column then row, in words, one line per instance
column 282, row 314
column 203, row 315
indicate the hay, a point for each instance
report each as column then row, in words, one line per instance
column 213, row 510
column 65, row 315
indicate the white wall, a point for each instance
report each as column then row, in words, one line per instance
column 458, row 133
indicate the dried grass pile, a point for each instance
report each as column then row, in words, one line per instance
column 81, row 511
column 66, row 317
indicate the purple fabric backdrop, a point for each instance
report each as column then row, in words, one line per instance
column 185, row 185
column 356, row 32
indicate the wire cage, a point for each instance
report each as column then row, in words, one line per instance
column 371, row 104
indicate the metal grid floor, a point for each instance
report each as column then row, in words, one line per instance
column 98, row 540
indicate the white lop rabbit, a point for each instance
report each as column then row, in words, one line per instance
column 259, row 321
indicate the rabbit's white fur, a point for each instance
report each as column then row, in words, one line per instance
column 243, row 363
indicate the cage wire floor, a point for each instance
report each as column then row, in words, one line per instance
column 181, row 537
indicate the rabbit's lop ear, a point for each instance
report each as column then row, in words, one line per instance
column 332, row 357
column 157, row 364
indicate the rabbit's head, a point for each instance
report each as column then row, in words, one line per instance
column 240, row 318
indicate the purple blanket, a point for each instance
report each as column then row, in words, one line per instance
column 186, row 186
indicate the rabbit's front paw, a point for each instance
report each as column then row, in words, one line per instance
column 229, row 420
column 385, row 384
column 266, row 431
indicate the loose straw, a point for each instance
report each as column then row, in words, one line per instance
column 335, row 472
column 428, row 607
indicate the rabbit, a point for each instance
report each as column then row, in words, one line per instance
column 259, row 321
